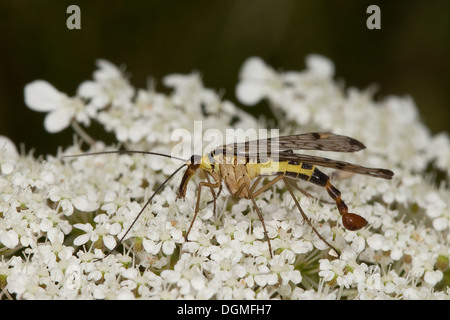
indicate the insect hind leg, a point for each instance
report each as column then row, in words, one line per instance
column 351, row 221
column 307, row 194
column 288, row 186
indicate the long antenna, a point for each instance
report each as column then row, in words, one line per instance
column 121, row 152
column 143, row 208
column 153, row 195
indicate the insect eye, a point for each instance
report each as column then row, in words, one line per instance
column 196, row 159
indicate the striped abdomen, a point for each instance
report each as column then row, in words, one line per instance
column 297, row 170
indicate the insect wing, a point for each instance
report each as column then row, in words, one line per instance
column 324, row 141
column 335, row 164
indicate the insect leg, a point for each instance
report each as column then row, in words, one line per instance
column 253, row 187
column 286, row 182
column 266, row 186
column 252, row 197
column 200, row 185
column 306, row 193
column 252, row 194
column 213, row 192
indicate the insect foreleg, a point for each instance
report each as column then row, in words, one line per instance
column 197, row 205
column 215, row 196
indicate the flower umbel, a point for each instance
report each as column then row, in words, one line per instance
column 60, row 218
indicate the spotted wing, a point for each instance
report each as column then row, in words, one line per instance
column 324, row 141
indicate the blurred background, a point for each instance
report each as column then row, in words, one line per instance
column 410, row 55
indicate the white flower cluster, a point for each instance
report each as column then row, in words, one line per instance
column 60, row 217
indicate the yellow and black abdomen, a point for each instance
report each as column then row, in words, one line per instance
column 297, row 170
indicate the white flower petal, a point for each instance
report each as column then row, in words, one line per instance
column 375, row 241
column 80, row 240
column 109, row 241
column 67, row 207
column 320, row 65
column 250, row 93
column 7, row 168
column 151, row 246
column 42, row 96
column 82, row 203
column 115, row 228
column 9, row 238
column 88, row 89
column 261, row 279
column 125, row 294
column 168, row 247
column 175, row 80
column 86, row 227
column 300, row 247
column 170, row 276
column 46, row 225
column 198, row 283
column 7, row 147
column 432, row 277
column 106, row 71
column 255, row 68
column 440, row 224
column 55, row 236
column 57, row 120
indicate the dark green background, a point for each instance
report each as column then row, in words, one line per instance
column 409, row 55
